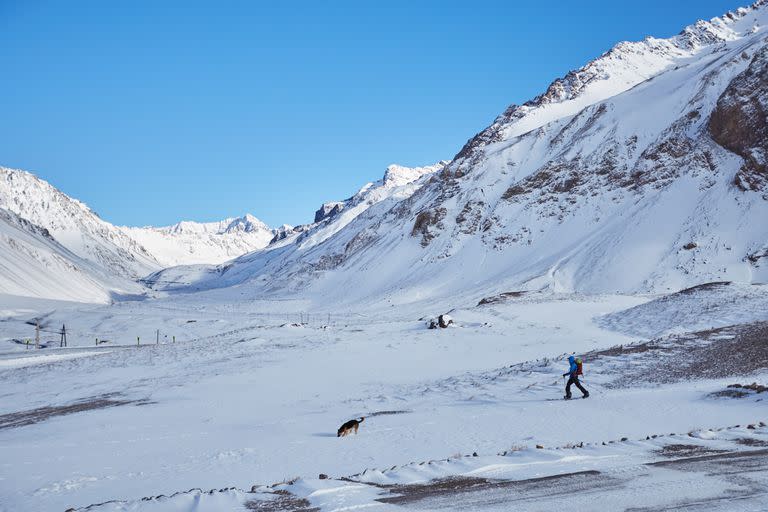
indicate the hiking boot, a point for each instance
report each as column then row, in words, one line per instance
column 567, row 397
column 586, row 395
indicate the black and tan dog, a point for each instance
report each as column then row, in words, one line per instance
column 349, row 426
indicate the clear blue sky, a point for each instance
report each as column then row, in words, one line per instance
column 153, row 112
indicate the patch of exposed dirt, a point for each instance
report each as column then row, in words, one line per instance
column 740, row 391
column 712, row 354
column 751, row 441
column 728, row 393
column 284, row 502
column 32, row 416
column 406, row 494
column 702, row 287
column 686, row 450
column 500, row 298
column 620, row 350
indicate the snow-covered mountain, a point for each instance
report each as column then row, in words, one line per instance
column 73, row 225
column 289, row 244
column 645, row 170
column 55, row 247
column 189, row 243
column 34, row 264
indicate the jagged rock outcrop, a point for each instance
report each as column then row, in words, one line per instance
column 739, row 122
column 328, row 210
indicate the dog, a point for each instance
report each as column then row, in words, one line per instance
column 349, row 427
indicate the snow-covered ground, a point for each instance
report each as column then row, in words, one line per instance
column 247, row 395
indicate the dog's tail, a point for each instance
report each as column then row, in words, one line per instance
column 362, row 418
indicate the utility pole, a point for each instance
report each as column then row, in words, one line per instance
column 37, row 333
column 63, row 342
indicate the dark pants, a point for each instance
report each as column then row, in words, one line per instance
column 574, row 379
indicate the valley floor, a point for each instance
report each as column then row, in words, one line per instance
column 250, row 395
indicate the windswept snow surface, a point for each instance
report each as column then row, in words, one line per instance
column 702, row 307
column 249, row 395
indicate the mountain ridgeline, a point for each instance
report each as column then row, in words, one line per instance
column 643, row 171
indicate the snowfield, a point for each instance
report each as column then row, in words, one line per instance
column 247, row 395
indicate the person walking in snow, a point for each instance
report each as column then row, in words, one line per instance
column 573, row 377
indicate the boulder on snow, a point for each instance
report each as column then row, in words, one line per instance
column 442, row 322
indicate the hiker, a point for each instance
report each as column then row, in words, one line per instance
column 573, row 377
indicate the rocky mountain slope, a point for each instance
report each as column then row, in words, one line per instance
column 290, row 245
column 643, row 171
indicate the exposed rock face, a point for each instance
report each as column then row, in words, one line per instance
column 286, row 230
column 328, row 210
column 427, row 224
column 739, row 123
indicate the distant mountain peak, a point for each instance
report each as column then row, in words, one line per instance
column 398, row 175
column 247, row 223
